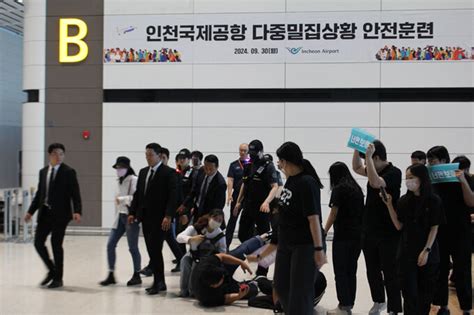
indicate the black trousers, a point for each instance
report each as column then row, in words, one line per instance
column 231, row 223
column 418, row 286
column 250, row 218
column 295, row 274
column 380, row 259
column 154, row 238
column 182, row 247
column 455, row 242
column 57, row 228
column 345, row 254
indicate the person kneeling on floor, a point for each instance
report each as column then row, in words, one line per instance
column 212, row 281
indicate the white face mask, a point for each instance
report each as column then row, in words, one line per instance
column 121, row 172
column 213, row 224
column 412, row 184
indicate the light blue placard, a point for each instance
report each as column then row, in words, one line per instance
column 360, row 140
column 443, row 173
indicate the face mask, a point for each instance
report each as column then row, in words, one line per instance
column 121, row 172
column 213, row 224
column 412, row 184
column 254, row 156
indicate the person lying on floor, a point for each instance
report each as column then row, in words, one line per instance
column 212, row 281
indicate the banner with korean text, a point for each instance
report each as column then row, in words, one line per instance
column 313, row 37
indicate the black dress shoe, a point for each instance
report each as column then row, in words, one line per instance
column 136, row 280
column 55, row 284
column 176, row 269
column 175, row 261
column 147, row 272
column 150, row 288
column 152, row 291
column 161, row 287
column 48, row 279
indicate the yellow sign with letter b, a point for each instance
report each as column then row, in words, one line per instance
column 65, row 40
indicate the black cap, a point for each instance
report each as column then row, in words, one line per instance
column 255, row 146
column 184, row 153
column 122, row 161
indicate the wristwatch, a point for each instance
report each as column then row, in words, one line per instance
column 428, row 249
column 318, row 248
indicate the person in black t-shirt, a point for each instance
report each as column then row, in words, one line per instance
column 418, row 215
column 234, row 181
column 454, row 238
column 379, row 236
column 259, row 188
column 347, row 205
column 301, row 244
column 211, row 279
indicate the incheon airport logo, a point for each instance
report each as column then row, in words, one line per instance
column 294, row 50
column 124, row 30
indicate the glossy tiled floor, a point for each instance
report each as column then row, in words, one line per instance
column 85, row 265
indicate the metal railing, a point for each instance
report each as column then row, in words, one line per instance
column 16, row 203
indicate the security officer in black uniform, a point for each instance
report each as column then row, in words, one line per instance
column 259, row 188
column 234, row 181
column 186, row 179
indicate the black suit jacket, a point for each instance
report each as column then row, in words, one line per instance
column 214, row 198
column 66, row 195
column 159, row 200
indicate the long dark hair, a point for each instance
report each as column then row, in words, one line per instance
column 339, row 174
column 291, row 152
column 426, row 189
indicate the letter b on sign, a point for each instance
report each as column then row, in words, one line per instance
column 65, row 40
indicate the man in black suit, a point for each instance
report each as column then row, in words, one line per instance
column 154, row 204
column 58, row 189
column 208, row 192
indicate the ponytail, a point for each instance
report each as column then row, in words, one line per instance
column 308, row 169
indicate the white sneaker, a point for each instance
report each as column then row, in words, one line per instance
column 338, row 311
column 377, row 308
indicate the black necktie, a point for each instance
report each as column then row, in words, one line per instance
column 202, row 192
column 149, row 180
column 50, row 186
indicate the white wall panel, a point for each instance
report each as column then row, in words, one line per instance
column 241, row 6
column 33, row 77
column 34, row 53
column 146, row 76
column 422, row 4
column 120, row 7
column 119, row 139
column 239, row 76
column 34, row 29
column 322, row 140
column 33, row 115
column 33, row 138
column 147, row 114
column 226, row 139
column 407, row 140
column 331, row 5
column 34, row 8
column 336, row 75
column 32, row 163
column 427, row 114
column 428, row 74
column 239, row 114
column 331, row 114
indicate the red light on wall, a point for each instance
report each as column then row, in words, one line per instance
column 86, row 134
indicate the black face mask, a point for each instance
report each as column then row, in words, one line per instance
column 254, row 156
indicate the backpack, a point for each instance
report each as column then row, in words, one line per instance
column 207, row 248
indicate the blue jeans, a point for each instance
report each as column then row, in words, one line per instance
column 132, row 231
column 246, row 248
